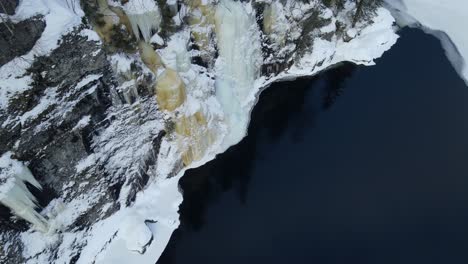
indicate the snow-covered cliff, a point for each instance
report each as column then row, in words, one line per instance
column 114, row 100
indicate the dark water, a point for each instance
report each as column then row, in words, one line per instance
column 359, row 165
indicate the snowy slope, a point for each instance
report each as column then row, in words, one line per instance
column 438, row 17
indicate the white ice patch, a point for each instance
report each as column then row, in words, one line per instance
column 136, row 233
column 156, row 39
column 90, row 35
column 175, row 55
column 446, row 20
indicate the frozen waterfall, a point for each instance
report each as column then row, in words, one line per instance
column 238, row 65
column 14, row 193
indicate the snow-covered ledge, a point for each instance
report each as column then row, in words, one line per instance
column 444, row 19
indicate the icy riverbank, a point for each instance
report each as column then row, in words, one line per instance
column 444, row 19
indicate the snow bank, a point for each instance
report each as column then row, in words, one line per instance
column 446, row 20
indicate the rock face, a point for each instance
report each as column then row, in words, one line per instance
column 8, row 6
column 19, row 38
column 107, row 118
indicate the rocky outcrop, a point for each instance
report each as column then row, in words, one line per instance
column 8, row 6
column 18, row 38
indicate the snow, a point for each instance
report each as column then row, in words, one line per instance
column 441, row 18
column 87, row 79
column 90, row 35
column 159, row 203
column 11, row 85
column 29, row 8
column 121, row 64
column 84, row 121
column 46, row 101
column 140, row 6
column 39, row 242
column 136, row 233
column 85, row 163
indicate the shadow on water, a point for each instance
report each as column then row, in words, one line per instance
column 280, row 107
column 358, row 165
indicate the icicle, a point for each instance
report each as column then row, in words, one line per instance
column 201, row 20
column 144, row 16
column 14, row 193
column 275, row 23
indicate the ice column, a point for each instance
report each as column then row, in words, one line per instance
column 238, row 64
column 14, row 193
column 144, row 16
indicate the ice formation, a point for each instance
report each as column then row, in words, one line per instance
column 14, row 193
column 275, row 24
column 238, row 64
column 107, row 21
column 144, row 16
column 151, row 59
column 170, row 90
column 194, row 136
column 201, row 19
column 444, row 20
